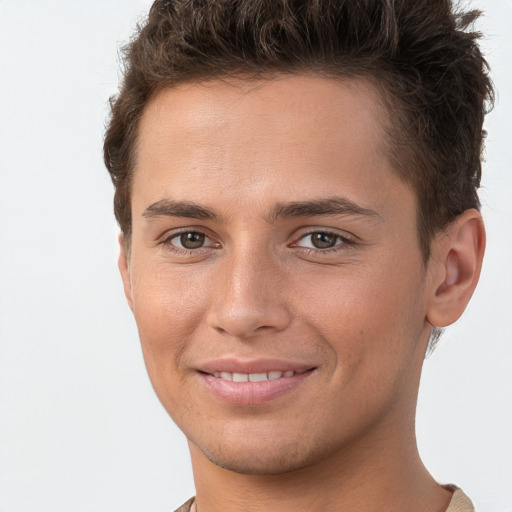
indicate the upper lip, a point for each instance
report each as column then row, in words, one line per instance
column 233, row 365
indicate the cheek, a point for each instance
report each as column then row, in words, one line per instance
column 370, row 316
column 168, row 308
column 371, row 346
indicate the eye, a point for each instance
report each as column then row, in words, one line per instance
column 320, row 240
column 192, row 240
column 189, row 240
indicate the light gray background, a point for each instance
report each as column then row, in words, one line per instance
column 80, row 428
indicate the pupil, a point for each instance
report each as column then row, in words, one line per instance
column 323, row 240
column 192, row 240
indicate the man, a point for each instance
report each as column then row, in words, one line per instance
column 296, row 190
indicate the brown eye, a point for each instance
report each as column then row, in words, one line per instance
column 187, row 243
column 323, row 240
column 191, row 240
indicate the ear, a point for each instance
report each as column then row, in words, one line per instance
column 454, row 268
column 124, row 268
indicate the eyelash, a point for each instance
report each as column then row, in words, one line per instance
column 342, row 241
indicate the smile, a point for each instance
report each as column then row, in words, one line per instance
column 252, row 388
column 253, row 377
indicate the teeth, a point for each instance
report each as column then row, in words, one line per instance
column 253, row 377
column 257, row 377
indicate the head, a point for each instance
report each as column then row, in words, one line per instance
column 296, row 190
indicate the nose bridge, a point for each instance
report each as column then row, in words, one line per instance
column 249, row 298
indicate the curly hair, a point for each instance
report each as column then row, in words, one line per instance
column 421, row 55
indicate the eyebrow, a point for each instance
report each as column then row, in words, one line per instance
column 330, row 206
column 186, row 209
column 294, row 209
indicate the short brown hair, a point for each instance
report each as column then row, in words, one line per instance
column 431, row 73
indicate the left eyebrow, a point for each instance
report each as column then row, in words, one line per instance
column 330, row 206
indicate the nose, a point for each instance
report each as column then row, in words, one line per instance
column 251, row 298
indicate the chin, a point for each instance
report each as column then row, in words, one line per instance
column 262, row 458
column 262, row 465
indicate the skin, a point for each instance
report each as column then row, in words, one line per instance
column 358, row 313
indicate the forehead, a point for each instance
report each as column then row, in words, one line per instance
column 264, row 139
column 300, row 107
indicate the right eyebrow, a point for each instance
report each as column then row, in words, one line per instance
column 185, row 209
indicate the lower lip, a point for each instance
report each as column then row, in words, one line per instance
column 253, row 393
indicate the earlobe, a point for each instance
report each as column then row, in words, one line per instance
column 456, row 262
column 124, row 269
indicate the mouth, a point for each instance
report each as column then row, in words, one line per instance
column 254, row 377
column 260, row 383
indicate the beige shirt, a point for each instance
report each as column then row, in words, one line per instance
column 459, row 503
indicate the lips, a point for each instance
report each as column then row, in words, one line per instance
column 252, row 382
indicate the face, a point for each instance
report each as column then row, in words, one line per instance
column 275, row 272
